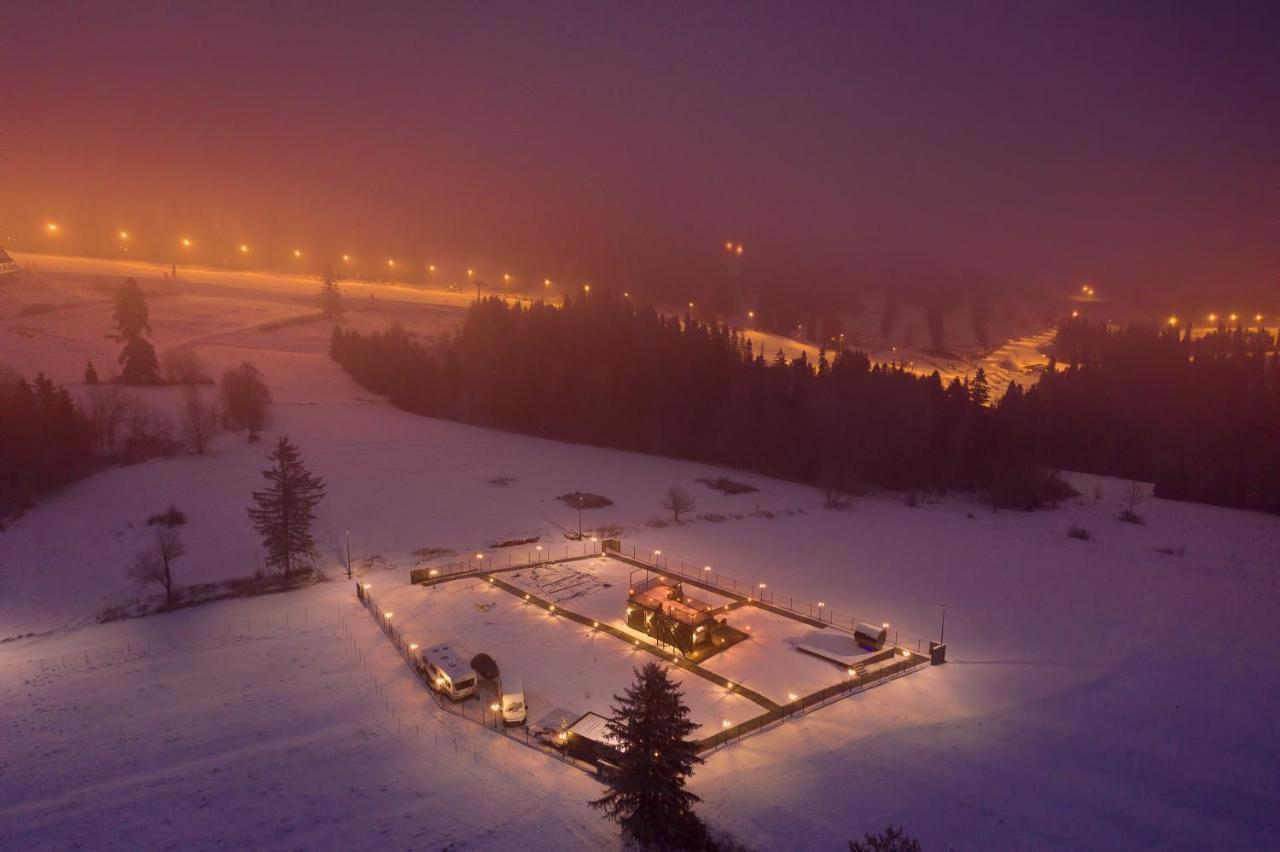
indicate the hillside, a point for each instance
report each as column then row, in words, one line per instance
column 1098, row 694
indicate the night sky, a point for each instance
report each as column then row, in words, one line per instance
column 1135, row 145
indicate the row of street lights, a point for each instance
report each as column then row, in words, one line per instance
column 186, row 243
column 125, row 237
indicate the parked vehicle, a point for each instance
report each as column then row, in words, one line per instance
column 447, row 672
column 485, row 666
column 514, row 710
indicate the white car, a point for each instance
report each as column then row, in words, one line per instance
column 514, row 710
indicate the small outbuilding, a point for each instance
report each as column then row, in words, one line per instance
column 588, row 739
column 870, row 636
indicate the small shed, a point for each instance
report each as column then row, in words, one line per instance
column 871, row 636
column 588, row 739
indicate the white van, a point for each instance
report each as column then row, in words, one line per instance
column 514, row 710
column 448, row 672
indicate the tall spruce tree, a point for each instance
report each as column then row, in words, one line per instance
column 648, row 799
column 330, row 296
column 139, row 365
column 285, row 510
column 131, row 311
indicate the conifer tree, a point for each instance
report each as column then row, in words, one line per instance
column 980, row 389
column 139, row 365
column 138, row 357
column 330, row 297
column 131, row 311
column 285, row 510
column 651, row 726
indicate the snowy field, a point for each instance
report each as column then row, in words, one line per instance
column 1101, row 695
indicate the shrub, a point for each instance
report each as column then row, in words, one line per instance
column 1027, row 488
column 1080, row 533
column 892, row 839
column 426, row 554
column 584, row 500
column 1130, row 517
column 725, row 485
column 182, row 366
column 171, row 517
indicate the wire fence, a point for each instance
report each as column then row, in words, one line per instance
column 895, row 667
column 817, row 612
column 507, row 559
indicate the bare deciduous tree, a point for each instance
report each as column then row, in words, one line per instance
column 148, row 431
column 677, row 501
column 155, row 564
column 201, row 422
column 245, row 398
column 1130, row 515
column 107, row 407
column 182, row 366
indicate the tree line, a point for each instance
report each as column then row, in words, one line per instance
column 1197, row 417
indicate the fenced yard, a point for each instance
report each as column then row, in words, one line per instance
column 554, row 613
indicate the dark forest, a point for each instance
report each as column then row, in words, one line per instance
column 1199, row 418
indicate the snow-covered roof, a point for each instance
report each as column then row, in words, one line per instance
column 594, row 727
column 448, row 660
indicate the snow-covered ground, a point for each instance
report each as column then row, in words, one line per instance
column 1098, row 694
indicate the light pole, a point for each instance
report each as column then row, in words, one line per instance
column 942, row 635
column 579, row 517
column 348, row 537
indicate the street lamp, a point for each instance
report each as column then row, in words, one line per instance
column 51, row 227
column 348, row 537
column 244, row 249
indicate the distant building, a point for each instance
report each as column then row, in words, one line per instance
column 7, row 266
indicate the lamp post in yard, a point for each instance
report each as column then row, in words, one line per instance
column 942, row 635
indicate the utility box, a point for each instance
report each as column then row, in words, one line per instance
column 937, row 653
column 360, row 592
column 611, row 545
